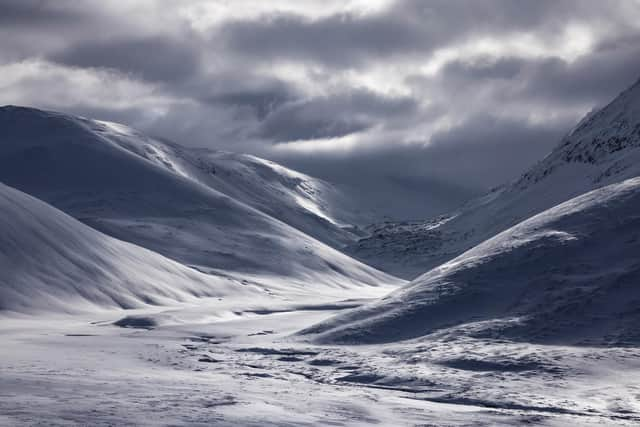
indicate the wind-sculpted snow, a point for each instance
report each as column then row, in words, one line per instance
column 603, row 149
column 569, row 275
column 165, row 198
column 51, row 262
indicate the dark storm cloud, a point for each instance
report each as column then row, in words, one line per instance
column 151, row 58
column 260, row 95
column 333, row 116
column 473, row 148
column 423, row 180
column 483, row 68
column 31, row 28
column 252, row 81
column 25, row 13
column 294, row 124
column 406, row 29
column 478, row 145
column 594, row 78
column 554, row 82
column 336, row 40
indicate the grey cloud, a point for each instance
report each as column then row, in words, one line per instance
column 220, row 88
column 21, row 13
column 152, row 58
column 475, row 147
column 594, row 78
column 551, row 82
column 340, row 40
column 291, row 124
column 32, row 28
column 260, row 95
column 466, row 155
column 483, row 68
column 205, row 125
column 404, row 30
column 334, row 116
column 540, row 85
column 422, row 180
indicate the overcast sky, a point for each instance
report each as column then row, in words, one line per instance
column 442, row 98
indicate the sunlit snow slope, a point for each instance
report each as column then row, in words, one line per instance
column 306, row 203
column 603, row 149
column 567, row 275
column 139, row 190
column 49, row 261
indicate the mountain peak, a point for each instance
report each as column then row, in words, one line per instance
column 600, row 142
column 603, row 149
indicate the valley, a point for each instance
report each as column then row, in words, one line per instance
column 145, row 283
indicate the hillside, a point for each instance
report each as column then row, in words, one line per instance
column 139, row 190
column 604, row 148
column 52, row 262
column 567, row 275
column 306, row 203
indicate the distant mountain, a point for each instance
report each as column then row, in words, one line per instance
column 604, row 148
column 209, row 210
column 568, row 275
column 51, row 262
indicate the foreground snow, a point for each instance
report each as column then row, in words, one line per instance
column 246, row 370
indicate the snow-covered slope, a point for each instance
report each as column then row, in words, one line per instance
column 136, row 189
column 604, row 148
column 569, row 275
column 51, row 262
column 306, row 203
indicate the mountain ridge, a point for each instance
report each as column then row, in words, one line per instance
column 602, row 149
column 99, row 176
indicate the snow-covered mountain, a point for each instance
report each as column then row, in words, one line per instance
column 568, row 275
column 309, row 204
column 306, row 203
column 166, row 198
column 52, row 262
column 604, row 148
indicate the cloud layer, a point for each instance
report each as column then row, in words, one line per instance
column 442, row 98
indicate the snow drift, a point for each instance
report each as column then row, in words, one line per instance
column 568, row 275
column 603, row 149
